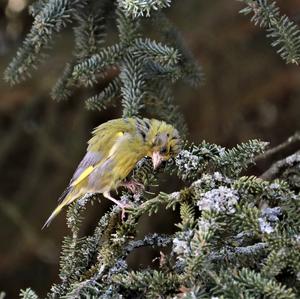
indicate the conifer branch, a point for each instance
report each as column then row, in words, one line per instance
column 237, row 236
column 28, row 294
column 222, row 223
column 106, row 97
column 134, row 55
column 285, row 34
column 286, row 144
column 133, row 86
column 51, row 17
column 136, row 8
column 278, row 167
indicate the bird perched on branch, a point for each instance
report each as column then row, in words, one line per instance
column 112, row 153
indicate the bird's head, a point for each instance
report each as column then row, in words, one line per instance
column 164, row 142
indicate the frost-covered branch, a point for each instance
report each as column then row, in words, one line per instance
column 294, row 139
column 278, row 167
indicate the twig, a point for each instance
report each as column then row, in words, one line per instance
column 150, row 240
column 291, row 140
column 231, row 253
column 280, row 165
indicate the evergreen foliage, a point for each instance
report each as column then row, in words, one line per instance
column 238, row 235
column 28, row 294
column 137, row 8
column 285, row 34
column 145, row 68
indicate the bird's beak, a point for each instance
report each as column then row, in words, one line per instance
column 156, row 159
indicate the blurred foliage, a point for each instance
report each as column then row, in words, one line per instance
column 248, row 93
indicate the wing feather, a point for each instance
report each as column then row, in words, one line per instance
column 104, row 143
column 83, row 170
column 90, row 159
column 104, row 139
column 85, row 173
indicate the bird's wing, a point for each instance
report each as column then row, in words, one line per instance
column 104, row 143
column 105, row 138
column 84, row 168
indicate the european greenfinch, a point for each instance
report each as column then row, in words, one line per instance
column 113, row 151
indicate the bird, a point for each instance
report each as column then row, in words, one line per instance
column 113, row 151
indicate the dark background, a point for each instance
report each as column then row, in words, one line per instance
column 249, row 92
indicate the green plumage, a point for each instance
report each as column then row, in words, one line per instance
column 112, row 153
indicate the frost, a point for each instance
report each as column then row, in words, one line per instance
column 269, row 217
column 208, row 182
column 84, row 199
column 137, row 197
column 117, row 238
column 205, row 182
column 174, row 196
column 222, row 199
column 180, row 246
column 274, row 186
column 218, row 176
column 187, row 162
column 193, row 162
column 205, row 225
column 264, row 226
column 207, row 179
column 271, row 214
column 181, row 243
column 222, row 151
column 124, row 199
column 120, row 266
column 292, row 159
column 138, row 8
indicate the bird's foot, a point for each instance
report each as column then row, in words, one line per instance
column 133, row 186
column 124, row 209
column 122, row 205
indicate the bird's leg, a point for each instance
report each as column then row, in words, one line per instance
column 117, row 202
column 134, row 186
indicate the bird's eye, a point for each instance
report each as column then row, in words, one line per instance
column 163, row 150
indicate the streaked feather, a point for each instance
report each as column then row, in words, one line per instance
column 113, row 151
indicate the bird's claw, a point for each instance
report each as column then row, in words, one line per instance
column 125, row 209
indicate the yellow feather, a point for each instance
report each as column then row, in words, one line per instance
column 57, row 210
column 119, row 134
column 84, row 175
column 113, row 151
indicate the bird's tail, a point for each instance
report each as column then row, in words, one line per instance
column 67, row 200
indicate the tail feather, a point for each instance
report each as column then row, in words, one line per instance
column 65, row 193
column 68, row 199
